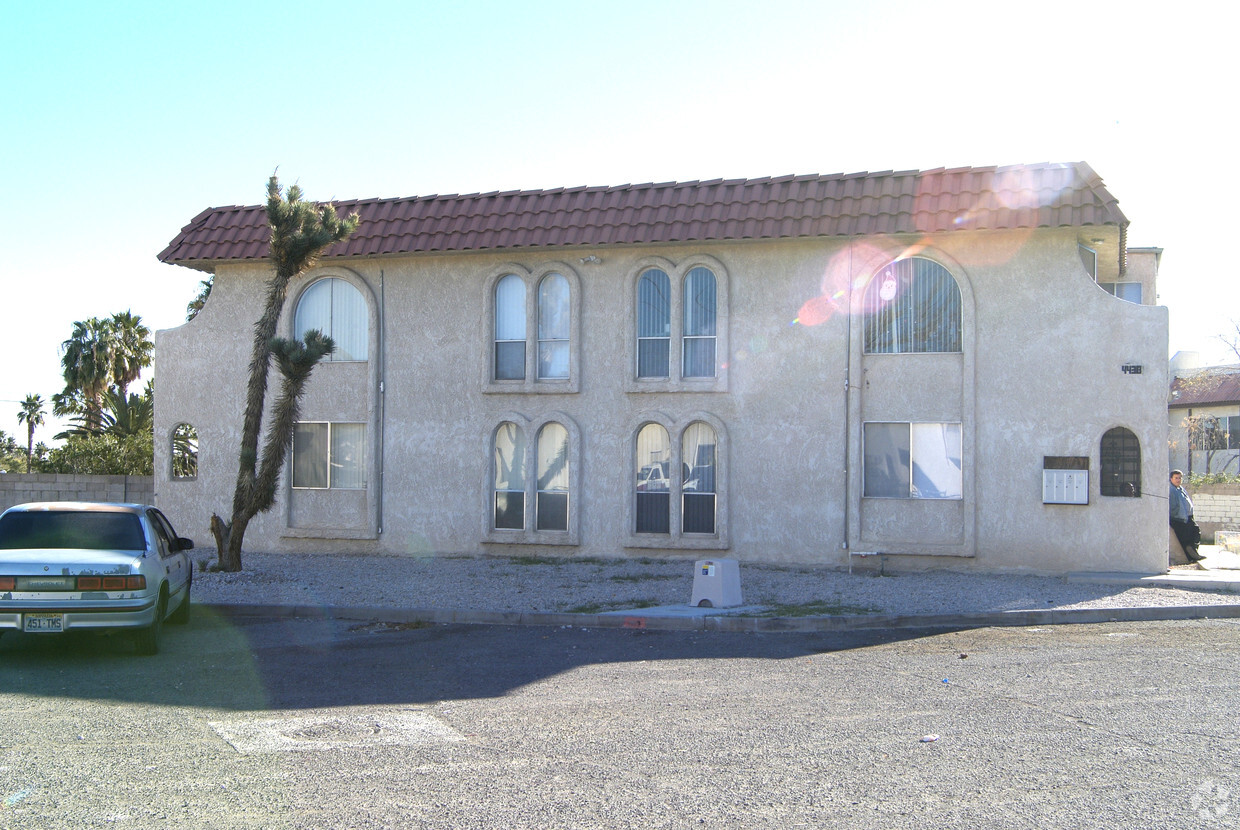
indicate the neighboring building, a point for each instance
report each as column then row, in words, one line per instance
column 1138, row 283
column 783, row 370
column 1204, row 416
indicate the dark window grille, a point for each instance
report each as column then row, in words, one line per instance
column 1121, row 464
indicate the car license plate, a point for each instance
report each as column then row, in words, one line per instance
column 44, row 623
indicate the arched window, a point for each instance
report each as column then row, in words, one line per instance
column 509, row 477
column 531, row 480
column 552, row 497
column 912, row 305
column 700, row 309
column 510, row 328
column 698, row 456
column 654, row 473
column 679, row 484
column 553, row 326
column 1120, row 464
column 654, row 324
column 184, row 452
column 678, row 326
column 336, row 308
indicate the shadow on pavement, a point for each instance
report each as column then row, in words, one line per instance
column 250, row 664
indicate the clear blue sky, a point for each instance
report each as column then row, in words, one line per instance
column 123, row 121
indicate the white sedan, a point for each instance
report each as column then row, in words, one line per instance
column 71, row 566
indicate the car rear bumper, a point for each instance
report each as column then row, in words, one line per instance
column 126, row 614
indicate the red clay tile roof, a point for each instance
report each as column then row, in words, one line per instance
column 1214, row 386
column 1026, row 196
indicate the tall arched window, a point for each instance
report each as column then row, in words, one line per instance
column 336, row 308
column 654, row 324
column 698, row 456
column 509, row 477
column 911, row 306
column 698, row 339
column 553, row 326
column 654, row 474
column 552, row 496
column 510, row 328
column 1120, row 464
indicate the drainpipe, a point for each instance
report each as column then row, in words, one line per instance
column 847, row 389
column 382, row 409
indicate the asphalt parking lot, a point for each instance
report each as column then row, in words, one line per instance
column 292, row 722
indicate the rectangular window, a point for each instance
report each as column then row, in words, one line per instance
column 329, row 456
column 1130, row 291
column 1209, row 432
column 912, row 460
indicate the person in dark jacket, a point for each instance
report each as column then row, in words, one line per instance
column 1182, row 523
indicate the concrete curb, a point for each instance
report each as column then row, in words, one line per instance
column 721, row 622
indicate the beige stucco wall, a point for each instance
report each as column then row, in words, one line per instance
column 1040, row 375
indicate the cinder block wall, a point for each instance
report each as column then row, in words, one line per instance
column 1216, row 507
column 18, row 488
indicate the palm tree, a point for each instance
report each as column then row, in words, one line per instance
column 89, row 363
column 204, row 293
column 31, row 413
column 121, row 416
column 100, row 354
column 131, row 348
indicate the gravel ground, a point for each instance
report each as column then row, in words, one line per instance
column 537, row 584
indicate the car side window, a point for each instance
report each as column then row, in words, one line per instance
column 163, row 539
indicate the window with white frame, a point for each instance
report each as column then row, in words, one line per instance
column 510, row 328
column 509, row 466
column 534, row 332
column 336, row 308
column 700, row 309
column 654, row 324
column 1214, row 432
column 912, row 306
column 698, row 455
column 676, row 485
column 654, row 480
column 680, row 320
column 533, row 477
column 552, row 503
column 553, row 327
column 329, row 456
column 904, row 460
column 1130, row 291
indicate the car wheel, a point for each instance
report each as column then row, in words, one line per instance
column 181, row 615
column 147, row 639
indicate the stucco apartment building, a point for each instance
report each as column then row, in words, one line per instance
column 933, row 365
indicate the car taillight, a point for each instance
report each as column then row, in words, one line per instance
column 8, row 583
column 111, row 583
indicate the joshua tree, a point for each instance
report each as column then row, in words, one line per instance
column 31, row 414
column 300, row 231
